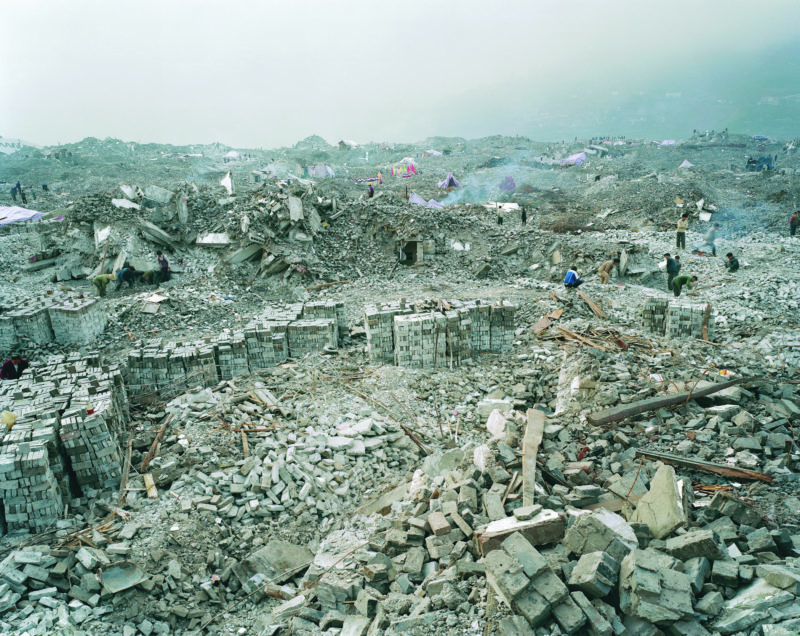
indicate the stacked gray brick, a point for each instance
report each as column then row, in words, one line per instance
column 502, row 328
column 312, row 335
column 379, row 325
column 77, row 320
column 676, row 320
column 30, row 492
column 332, row 310
column 231, row 355
column 266, row 345
column 32, row 322
column 654, row 314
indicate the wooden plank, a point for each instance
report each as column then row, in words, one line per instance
column 156, row 444
column 541, row 325
column 706, row 316
column 708, row 467
column 245, row 448
column 530, row 447
column 592, row 305
column 651, row 404
column 150, row 485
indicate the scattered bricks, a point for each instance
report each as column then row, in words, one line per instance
column 532, row 606
column 40, row 594
column 663, row 508
column 514, row 626
column 517, row 546
column 697, row 570
column 601, row 531
column 505, row 575
column 738, row 511
column 461, row 524
column 652, row 590
column 438, row 524
column 35, row 572
column 596, row 624
column 524, row 513
column 699, row 543
column 595, row 574
column 761, row 541
column 725, row 573
column 546, row 527
column 569, row 615
column 711, row 604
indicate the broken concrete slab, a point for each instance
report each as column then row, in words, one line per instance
column 546, row 527
column 663, row 509
column 698, row 543
column 279, row 560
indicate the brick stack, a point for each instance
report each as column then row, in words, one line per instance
column 32, row 322
column 30, row 492
column 77, row 320
column 502, row 328
column 266, row 345
column 231, row 354
column 481, row 319
column 8, row 335
column 686, row 321
column 333, row 310
column 654, row 314
column 379, row 325
column 92, row 449
column 311, row 335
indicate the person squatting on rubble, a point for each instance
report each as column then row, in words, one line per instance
column 163, row 268
column 679, row 281
column 731, row 263
column 672, row 270
column 680, row 235
column 605, row 270
column 13, row 367
column 371, row 191
column 126, row 275
column 573, row 279
column 711, row 237
column 146, row 278
column 794, row 223
column 101, row 283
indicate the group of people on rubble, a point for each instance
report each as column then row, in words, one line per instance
column 132, row 277
column 675, row 282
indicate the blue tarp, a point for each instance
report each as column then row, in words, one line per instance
column 13, row 214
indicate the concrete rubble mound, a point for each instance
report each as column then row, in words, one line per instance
column 331, row 411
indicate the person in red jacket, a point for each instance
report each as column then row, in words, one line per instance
column 12, row 369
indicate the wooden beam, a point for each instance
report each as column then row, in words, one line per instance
column 708, row 467
column 530, row 447
column 150, row 485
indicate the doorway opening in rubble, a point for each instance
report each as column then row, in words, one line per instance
column 411, row 252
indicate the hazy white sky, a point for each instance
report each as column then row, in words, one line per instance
column 267, row 73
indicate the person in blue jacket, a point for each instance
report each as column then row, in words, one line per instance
column 572, row 279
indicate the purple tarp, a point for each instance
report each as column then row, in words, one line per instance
column 418, row 200
column 577, row 159
column 12, row 214
column 449, row 182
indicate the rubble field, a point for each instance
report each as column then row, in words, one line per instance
column 352, row 412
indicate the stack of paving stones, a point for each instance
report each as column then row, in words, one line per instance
column 309, row 335
column 379, row 326
column 425, row 340
column 676, row 320
column 31, row 321
column 70, row 411
column 231, row 355
column 332, row 310
column 266, row 345
column 77, row 320
column 654, row 314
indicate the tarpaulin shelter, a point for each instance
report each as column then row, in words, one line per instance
column 14, row 214
column 433, row 153
column 418, row 200
column 508, row 184
column 667, row 142
column 578, row 159
column 686, row 164
column 449, row 182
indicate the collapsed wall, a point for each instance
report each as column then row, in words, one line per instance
column 445, row 338
column 64, row 439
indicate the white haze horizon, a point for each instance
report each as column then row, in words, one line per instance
column 268, row 74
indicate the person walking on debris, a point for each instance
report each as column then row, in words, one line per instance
column 731, row 263
column 605, row 270
column 371, row 191
column 573, row 278
column 13, row 367
column 499, row 216
column 163, row 268
column 794, row 222
column 126, row 275
column 14, row 195
column 524, row 215
column 672, row 270
column 21, row 193
column 101, row 283
column 680, row 281
column 711, row 237
column 680, row 235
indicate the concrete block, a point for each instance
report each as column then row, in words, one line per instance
column 601, row 531
column 570, row 617
column 652, row 590
column 595, row 574
column 725, row 573
column 532, row 562
column 546, row 527
column 505, row 575
column 698, row 543
column 596, row 623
